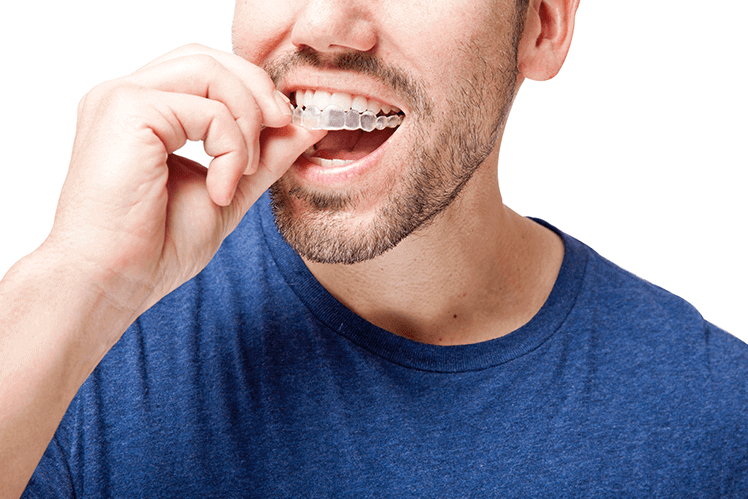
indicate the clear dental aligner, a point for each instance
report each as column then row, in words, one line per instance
column 340, row 111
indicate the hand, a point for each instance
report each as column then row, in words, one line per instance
column 130, row 207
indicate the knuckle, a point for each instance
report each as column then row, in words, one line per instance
column 106, row 92
column 95, row 98
column 117, row 96
column 242, row 158
column 110, row 101
column 223, row 125
column 220, row 111
column 250, row 124
column 194, row 47
column 82, row 104
column 252, row 114
column 187, row 50
column 205, row 62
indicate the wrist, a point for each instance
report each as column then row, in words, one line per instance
column 79, row 307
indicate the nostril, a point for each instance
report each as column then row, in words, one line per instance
column 333, row 26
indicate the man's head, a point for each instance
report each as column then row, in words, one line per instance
column 452, row 69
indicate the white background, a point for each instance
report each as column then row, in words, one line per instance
column 638, row 147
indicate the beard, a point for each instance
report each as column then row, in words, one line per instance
column 444, row 155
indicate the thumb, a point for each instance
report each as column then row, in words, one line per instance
column 279, row 147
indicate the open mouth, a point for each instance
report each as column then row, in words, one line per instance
column 358, row 126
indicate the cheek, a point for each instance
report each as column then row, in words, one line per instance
column 259, row 28
column 437, row 39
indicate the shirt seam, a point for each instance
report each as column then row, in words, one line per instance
column 329, row 326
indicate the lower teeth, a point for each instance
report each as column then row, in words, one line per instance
column 334, row 118
column 329, row 162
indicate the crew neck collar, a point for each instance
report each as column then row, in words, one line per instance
column 422, row 356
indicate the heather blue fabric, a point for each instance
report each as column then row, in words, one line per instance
column 252, row 381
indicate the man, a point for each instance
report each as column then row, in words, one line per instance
column 416, row 338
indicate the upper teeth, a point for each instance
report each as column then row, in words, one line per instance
column 340, row 111
column 321, row 99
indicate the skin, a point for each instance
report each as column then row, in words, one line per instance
column 426, row 287
column 135, row 221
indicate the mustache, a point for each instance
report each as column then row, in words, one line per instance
column 404, row 84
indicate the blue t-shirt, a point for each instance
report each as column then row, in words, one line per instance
column 251, row 380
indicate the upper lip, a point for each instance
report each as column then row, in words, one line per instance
column 338, row 81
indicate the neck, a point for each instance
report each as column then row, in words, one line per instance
column 477, row 272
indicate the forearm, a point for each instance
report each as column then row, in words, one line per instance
column 149, row 218
column 57, row 321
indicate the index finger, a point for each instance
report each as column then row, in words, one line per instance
column 254, row 78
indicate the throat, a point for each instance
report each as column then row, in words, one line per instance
column 454, row 284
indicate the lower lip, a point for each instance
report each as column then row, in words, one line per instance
column 331, row 175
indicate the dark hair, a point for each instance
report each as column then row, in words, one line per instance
column 520, row 12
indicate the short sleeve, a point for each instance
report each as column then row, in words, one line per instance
column 52, row 476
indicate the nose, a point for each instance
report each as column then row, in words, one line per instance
column 334, row 26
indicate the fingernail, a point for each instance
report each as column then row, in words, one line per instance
column 284, row 104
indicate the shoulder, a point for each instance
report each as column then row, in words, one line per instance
column 656, row 369
column 644, row 324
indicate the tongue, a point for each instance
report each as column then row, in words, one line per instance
column 350, row 144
